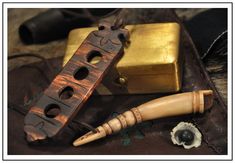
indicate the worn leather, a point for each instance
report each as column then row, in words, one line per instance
column 153, row 137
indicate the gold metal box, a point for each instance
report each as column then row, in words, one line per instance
column 150, row 64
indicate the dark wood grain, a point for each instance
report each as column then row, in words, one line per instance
column 75, row 83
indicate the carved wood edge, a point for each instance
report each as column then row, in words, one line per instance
column 71, row 88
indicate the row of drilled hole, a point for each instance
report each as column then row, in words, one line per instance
column 52, row 110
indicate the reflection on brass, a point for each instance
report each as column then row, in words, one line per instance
column 95, row 60
column 122, row 80
column 151, row 62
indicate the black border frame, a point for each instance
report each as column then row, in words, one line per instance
column 231, row 3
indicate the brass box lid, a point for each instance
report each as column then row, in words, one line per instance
column 151, row 62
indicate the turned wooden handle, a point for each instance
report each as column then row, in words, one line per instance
column 179, row 104
column 174, row 105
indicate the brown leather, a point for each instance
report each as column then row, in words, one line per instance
column 152, row 137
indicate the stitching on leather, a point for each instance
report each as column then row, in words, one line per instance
column 208, row 84
column 205, row 138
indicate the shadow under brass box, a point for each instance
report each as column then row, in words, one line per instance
column 151, row 63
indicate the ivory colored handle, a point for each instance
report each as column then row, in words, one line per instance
column 173, row 105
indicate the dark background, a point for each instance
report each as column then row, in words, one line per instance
column 204, row 25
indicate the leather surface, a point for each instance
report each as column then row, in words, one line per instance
column 25, row 85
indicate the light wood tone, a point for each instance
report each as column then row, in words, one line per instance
column 174, row 105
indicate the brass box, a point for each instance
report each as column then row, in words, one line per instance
column 151, row 63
